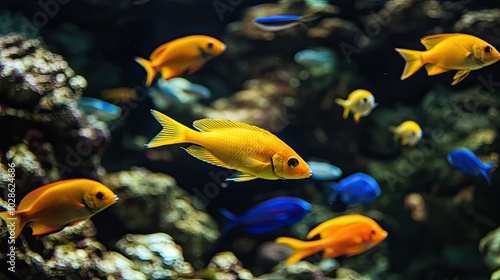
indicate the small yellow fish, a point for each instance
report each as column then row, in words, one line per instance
column 121, row 94
column 344, row 235
column 445, row 52
column 56, row 205
column 409, row 132
column 361, row 102
column 253, row 151
column 186, row 54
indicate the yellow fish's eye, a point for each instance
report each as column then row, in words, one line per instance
column 364, row 99
column 487, row 49
column 293, row 162
column 210, row 45
column 373, row 232
column 99, row 195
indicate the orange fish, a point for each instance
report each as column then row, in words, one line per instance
column 121, row 94
column 445, row 52
column 56, row 205
column 344, row 235
column 253, row 151
column 186, row 54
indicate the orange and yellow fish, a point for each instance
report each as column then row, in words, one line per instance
column 409, row 132
column 253, row 151
column 344, row 235
column 361, row 102
column 186, row 54
column 445, row 52
column 56, row 205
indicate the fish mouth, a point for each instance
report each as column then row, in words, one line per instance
column 385, row 234
column 116, row 199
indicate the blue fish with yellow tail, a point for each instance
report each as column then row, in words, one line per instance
column 282, row 22
column 465, row 160
column 357, row 188
column 269, row 215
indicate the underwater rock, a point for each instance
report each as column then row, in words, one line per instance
column 225, row 266
column 161, row 206
column 489, row 246
column 302, row 270
column 155, row 255
column 482, row 23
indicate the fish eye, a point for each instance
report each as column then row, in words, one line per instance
column 210, row 45
column 99, row 195
column 487, row 49
column 364, row 99
column 293, row 162
column 373, row 232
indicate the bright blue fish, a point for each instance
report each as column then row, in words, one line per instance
column 465, row 160
column 102, row 110
column 269, row 215
column 323, row 171
column 281, row 22
column 358, row 188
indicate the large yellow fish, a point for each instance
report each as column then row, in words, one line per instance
column 445, row 52
column 54, row 206
column 253, row 151
column 186, row 54
column 409, row 132
column 344, row 235
column 361, row 102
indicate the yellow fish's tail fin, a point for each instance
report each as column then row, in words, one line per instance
column 344, row 105
column 172, row 132
column 151, row 72
column 15, row 223
column 394, row 130
column 413, row 61
column 302, row 249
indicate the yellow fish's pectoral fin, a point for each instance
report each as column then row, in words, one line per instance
column 477, row 52
column 40, row 228
column 357, row 116
column 206, row 156
column 346, row 105
column 413, row 61
column 430, row 41
column 194, row 68
column 404, row 141
column 151, row 72
column 241, row 177
column 459, row 76
column 168, row 73
column 172, row 132
column 434, row 69
column 75, row 202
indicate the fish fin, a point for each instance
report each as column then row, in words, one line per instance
column 329, row 253
column 172, row 131
column 357, row 116
column 151, row 72
column 430, row 41
column 346, row 105
column 309, row 17
column 39, row 228
column 477, row 52
column 486, row 169
column 486, row 176
column 167, row 73
column 404, row 141
column 34, row 195
column 263, row 229
column 194, row 68
column 19, row 218
column 254, row 163
column 301, row 249
column 433, row 69
column 158, row 52
column 77, row 203
column 332, row 197
column 394, row 130
column 241, row 177
column 232, row 218
column 205, row 155
column 413, row 61
column 206, row 125
column 459, row 76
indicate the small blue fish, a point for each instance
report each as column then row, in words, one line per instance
column 465, row 160
column 102, row 110
column 269, row 215
column 358, row 188
column 281, row 22
column 323, row 171
column 179, row 90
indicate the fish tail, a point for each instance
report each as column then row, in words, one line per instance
column 232, row 220
column 485, row 171
column 413, row 61
column 344, row 105
column 15, row 222
column 309, row 17
column 151, row 72
column 302, row 249
column 172, row 132
column 329, row 188
column 394, row 130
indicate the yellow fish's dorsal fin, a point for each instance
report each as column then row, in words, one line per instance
column 206, row 125
column 430, row 41
column 206, row 156
column 158, row 52
column 34, row 195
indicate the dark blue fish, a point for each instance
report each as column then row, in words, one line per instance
column 465, row 160
column 358, row 188
column 281, row 22
column 269, row 215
